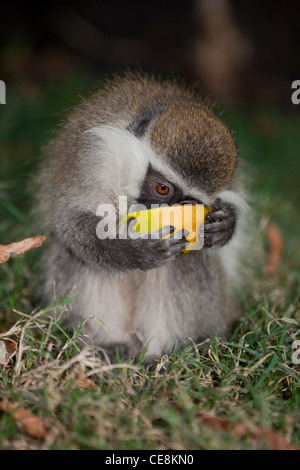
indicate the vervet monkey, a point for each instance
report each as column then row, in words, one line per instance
column 154, row 142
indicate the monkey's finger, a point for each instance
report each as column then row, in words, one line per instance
column 218, row 226
column 176, row 248
column 215, row 239
column 217, row 215
column 181, row 234
column 131, row 223
column 159, row 234
column 178, row 244
column 167, row 230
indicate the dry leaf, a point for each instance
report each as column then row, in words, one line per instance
column 276, row 247
column 276, row 440
column 10, row 344
column 241, row 429
column 4, row 255
column 223, row 424
column 30, row 423
column 19, row 248
column 87, row 383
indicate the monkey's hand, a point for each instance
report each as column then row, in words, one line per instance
column 222, row 224
column 154, row 250
column 117, row 255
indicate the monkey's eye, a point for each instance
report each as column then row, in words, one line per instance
column 162, row 189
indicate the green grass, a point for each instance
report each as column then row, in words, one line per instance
column 250, row 379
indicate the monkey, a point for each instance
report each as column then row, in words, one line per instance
column 156, row 142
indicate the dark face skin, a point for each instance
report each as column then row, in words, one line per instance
column 156, row 189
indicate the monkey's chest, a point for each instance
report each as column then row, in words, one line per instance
column 141, row 303
column 128, row 288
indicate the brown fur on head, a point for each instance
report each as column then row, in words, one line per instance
column 196, row 143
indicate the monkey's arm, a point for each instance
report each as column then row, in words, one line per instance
column 222, row 224
column 117, row 255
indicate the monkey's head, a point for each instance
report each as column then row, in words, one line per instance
column 154, row 142
column 189, row 139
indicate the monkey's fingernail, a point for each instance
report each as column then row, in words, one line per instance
column 209, row 216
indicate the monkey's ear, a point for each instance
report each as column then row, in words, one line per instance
column 140, row 125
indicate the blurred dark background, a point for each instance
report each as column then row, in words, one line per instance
column 236, row 51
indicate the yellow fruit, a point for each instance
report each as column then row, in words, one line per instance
column 187, row 217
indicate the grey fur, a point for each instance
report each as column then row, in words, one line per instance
column 138, row 288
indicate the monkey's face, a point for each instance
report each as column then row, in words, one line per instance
column 174, row 152
column 195, row 154
column 157, row 189
column 193, row 160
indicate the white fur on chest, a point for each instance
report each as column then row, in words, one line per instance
column 133, row 303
